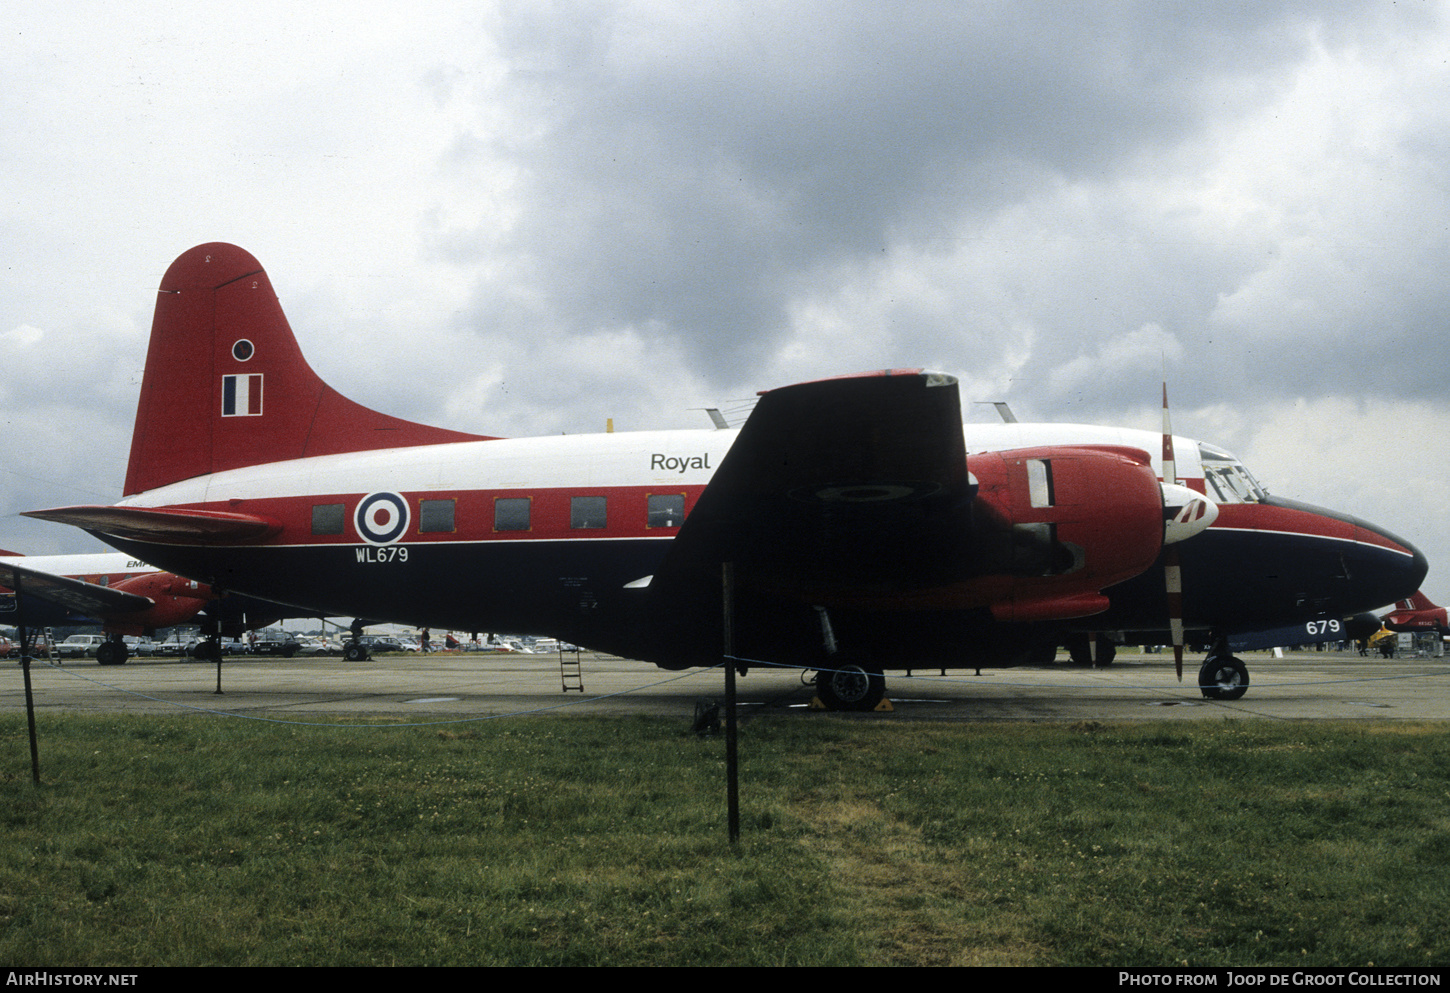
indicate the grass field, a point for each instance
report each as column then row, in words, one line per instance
column 583, row 841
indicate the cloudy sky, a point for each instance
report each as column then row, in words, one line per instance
column 525, row 218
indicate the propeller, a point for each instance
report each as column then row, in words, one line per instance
column 1185, row 514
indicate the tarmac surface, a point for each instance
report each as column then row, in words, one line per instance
column 446, row 687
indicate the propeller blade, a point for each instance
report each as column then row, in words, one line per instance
column 1172, row 572
column 1173, row 577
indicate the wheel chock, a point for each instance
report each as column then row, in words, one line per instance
column 884, row 707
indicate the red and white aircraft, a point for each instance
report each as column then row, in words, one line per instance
column 122, row 594
column 859, row 514
column 1417, row 614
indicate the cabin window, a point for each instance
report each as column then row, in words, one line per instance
column 435, row 516
column 1225, row 478
column 587, row 512
column 511, row 513
column 328, row 518
column 666, row 510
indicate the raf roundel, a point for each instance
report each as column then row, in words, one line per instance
column 381, row 518
column 242, row 350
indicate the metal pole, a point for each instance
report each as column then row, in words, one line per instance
column 29, row 696
column 732, row 777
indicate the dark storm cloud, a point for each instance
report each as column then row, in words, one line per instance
column 689, row 177
column 523, row 218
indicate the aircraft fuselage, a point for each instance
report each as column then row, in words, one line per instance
column 560, row 536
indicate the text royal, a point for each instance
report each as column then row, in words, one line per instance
column 659, row 462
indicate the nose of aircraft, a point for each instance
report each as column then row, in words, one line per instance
column 1399, row 565
column 1381, row 566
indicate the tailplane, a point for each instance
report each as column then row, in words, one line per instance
column 227, row 387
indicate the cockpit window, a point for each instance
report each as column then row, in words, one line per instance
column 1226, row 478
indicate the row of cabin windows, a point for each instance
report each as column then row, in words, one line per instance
column 664, row 510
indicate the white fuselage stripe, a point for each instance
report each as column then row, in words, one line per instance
column 652, row 459
column 1218, row 529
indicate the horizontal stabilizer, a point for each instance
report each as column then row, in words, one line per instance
column 171, row 527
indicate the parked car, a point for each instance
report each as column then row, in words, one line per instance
column 229, row 646
column 79, row 646
column 317, row 646
column 381, row 643
column 39, row 647
column 139, row 647
column 174, row 648
column 280, row 643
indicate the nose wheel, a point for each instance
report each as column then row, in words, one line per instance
column 1223, row 677
column 850, row 686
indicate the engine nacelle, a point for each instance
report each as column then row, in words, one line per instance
column 174, row 600
column 1053, row 527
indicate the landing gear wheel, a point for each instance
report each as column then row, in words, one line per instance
column 1223, row 677
column 209, row 650
column 354, row 652
column 1081, row 649
column 1043, row 653
column 1078, row 650
column 850, row 686
column 112, row 653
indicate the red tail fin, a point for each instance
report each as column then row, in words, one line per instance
column 1419, row 602
column 226, row 385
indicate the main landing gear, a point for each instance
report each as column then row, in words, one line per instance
column 355, row 650
column 208, row 649
column 847, row 685
column 842, row 683
column 112, row 651
column 1091, row 650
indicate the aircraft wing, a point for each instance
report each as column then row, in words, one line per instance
column 74, row 594
column 854, row 487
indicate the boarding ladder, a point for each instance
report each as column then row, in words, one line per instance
column 571, row 675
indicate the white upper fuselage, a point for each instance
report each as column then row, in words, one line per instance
column 684, row 458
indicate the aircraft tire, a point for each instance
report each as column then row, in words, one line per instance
column 354, row 652
column 1042, row 653
column 1079, row 649
column 850, row 686
column 1107, row 651
column 111, row 654
column 1223, row 678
